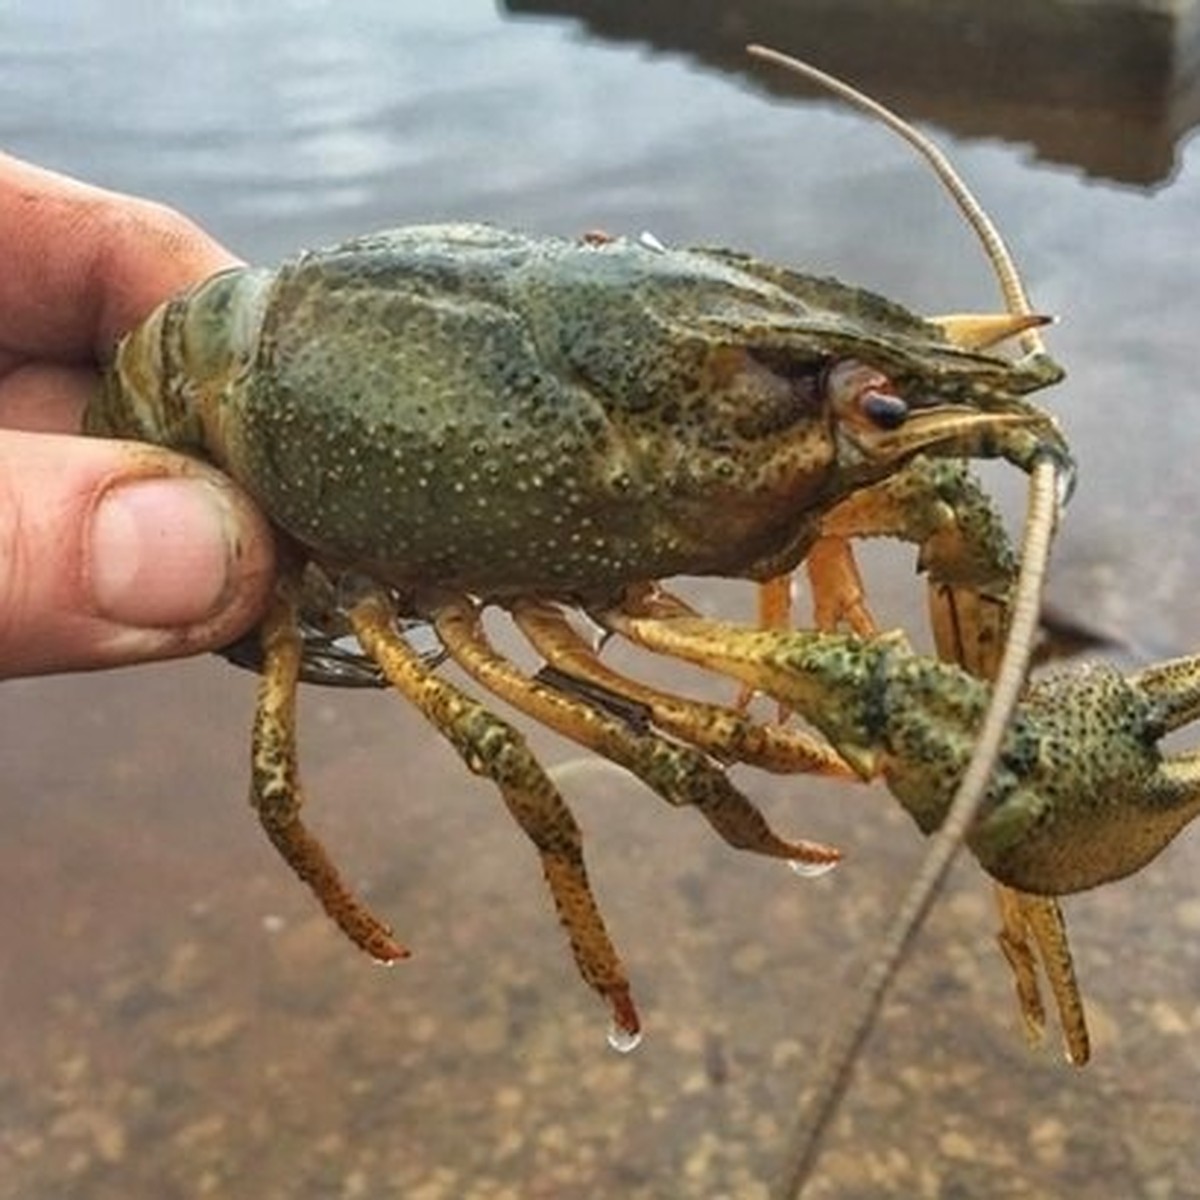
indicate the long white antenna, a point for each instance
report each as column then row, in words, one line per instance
column 1045, row 488
column 1011, row 288
column 834, row 1074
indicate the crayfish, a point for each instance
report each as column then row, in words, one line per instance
column 446, row 418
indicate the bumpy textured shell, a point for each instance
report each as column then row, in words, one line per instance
column 482, row 410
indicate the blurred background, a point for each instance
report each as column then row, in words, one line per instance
column 179, row 1021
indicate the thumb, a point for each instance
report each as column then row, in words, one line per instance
column 115, row 552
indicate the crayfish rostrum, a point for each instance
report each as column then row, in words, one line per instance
column 443, row 418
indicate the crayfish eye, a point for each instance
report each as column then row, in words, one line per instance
column 862, row 395
column 886, row 409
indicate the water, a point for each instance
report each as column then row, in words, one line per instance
column 622, row 1040
column 178, row 1020
column 811, row 870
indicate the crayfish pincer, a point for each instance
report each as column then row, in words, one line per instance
column 1081, row 794
column 443, row 418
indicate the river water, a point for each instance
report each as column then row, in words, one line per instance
column 177, row 1021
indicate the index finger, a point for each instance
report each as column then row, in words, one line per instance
column 83, row 265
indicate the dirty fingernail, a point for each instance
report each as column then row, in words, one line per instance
column 161, row 551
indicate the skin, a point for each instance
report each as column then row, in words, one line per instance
column 110, row 552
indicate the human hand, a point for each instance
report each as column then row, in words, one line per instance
column 110, row 552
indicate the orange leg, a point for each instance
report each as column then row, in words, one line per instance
column 491, row 747
column 275, row 786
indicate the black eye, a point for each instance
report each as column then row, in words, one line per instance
column 885, row 409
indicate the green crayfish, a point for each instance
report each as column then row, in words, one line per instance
column 446, row 418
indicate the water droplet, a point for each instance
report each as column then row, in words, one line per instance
column 623, row 1040
column 811, row 870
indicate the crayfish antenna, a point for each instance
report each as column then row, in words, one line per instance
column 1016, row 300
column 834, row 1074
column 1047, row 487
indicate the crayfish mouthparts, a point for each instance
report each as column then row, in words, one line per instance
column 1011, row 428
column 1026, row 446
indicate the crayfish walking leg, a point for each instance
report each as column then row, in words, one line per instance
column 275, row 784
column 491, row 747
